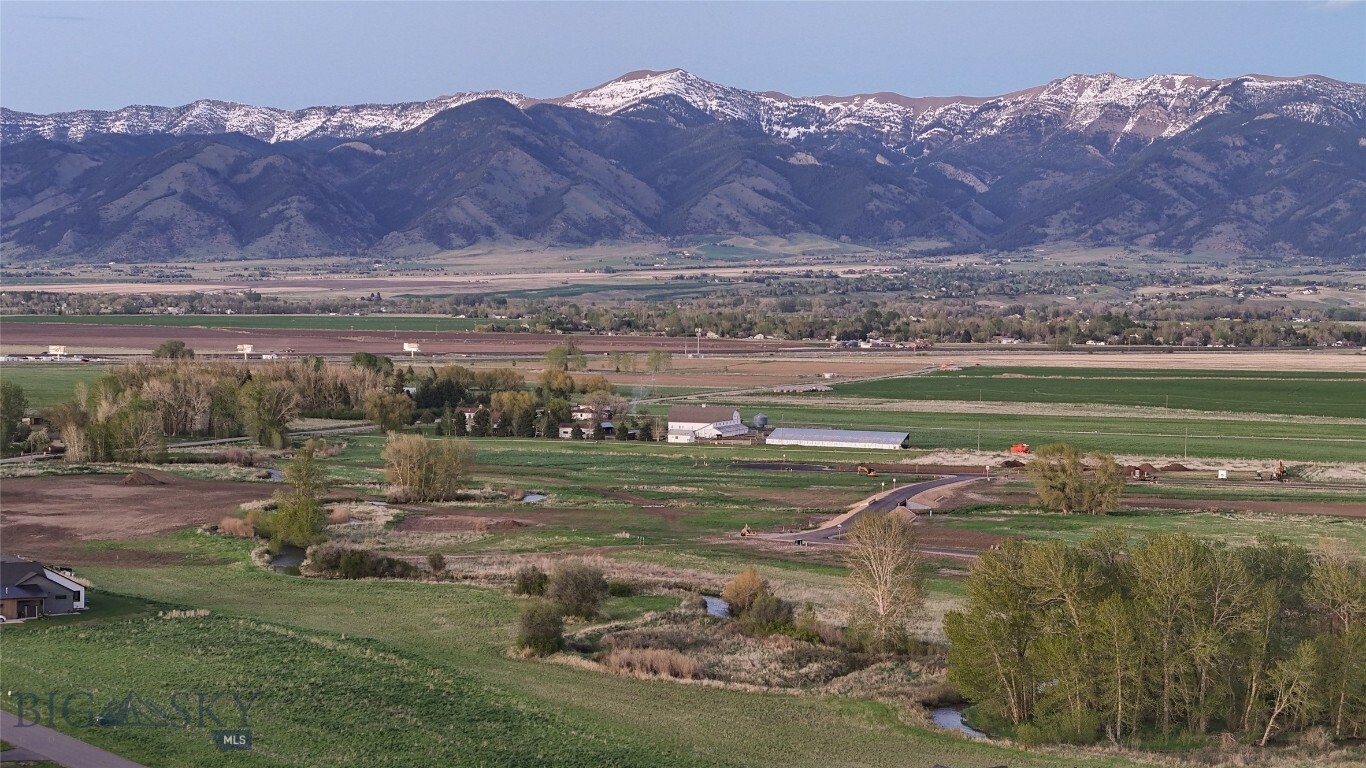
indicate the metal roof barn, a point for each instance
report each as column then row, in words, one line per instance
column 837, row 438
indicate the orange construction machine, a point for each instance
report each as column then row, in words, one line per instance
column 862, row 470
column 1020, row 448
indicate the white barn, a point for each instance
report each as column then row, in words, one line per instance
column 690, row 423
column 838, row 438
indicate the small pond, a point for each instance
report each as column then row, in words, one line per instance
column 716, row 606
column 532, row 498
column 288, row 561
column 951, row 718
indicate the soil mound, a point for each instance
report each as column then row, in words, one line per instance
column 1147, row 468
column 501, row 524
column 1012, row 464
column 1176, row 468
column 142, row 478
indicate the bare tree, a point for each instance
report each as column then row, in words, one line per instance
column 884, row 578
column 419, row 469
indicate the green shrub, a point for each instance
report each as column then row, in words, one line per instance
column 529, row 580
column 620, row 589
column 578, row 588
column 437, row 562
column 350, row 563
column 541, row 628
column 743, row 590
column 768, row 614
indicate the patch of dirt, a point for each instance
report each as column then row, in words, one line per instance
column 458, row 523
column 933, row 535
column 47, row 517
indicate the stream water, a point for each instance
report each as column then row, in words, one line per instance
column 716, row 606
column 290, row 557
column 951, row 718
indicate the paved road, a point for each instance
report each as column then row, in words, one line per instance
column 59, row 748
column 833, row 532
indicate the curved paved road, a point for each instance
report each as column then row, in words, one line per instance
column 833, row 531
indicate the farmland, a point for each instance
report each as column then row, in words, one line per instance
column 1282, row 392
column 431, row 657
column 1148, row 435
column 434, row 323
column 46, row 384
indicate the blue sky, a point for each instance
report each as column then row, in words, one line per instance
column 57, row 56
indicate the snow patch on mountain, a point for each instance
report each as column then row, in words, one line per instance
column 1150, row 108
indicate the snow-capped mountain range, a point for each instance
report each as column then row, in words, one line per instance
column 1159, row 106
column 1254, row 165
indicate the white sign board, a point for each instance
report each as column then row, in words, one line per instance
column 411, row 346
column 56, row 349
column 244, row 348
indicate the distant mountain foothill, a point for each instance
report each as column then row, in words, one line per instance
column 1253, row 165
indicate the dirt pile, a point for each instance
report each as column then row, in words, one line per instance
column 142, row 478
column 1174, row 467
column 1012, row 464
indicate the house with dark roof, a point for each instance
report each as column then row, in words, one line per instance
column 28, row 589
column 690, row 423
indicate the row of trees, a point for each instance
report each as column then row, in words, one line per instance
column 127, row 414
column 1074, row 643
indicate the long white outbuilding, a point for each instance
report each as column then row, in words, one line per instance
column 837, row 438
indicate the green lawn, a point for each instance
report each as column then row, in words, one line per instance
column 46, row 384
column 1296, row 393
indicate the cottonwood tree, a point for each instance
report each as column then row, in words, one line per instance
column 13, row 404
column 173, row 349
column 1060, row 480
column 990, row 645
column 299, row 517
column 884, row 581
column 419, row 469
column 267, row 409
column 659, row 360
column 389, row 410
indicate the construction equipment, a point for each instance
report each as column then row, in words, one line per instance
column 1279, row 475
column 862, row 470
column 747, row 531
column 1020, row 448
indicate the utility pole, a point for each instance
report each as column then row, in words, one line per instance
column 1185, row 444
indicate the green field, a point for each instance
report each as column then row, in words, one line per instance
column 404, row 674
column 46, row 384
column 1208, row 438
column 1294, row 393
column 435, row 323
column 1234, row 528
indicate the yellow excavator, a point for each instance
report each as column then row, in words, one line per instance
column 862, row 470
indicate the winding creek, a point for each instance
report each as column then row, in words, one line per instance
column 951, row 719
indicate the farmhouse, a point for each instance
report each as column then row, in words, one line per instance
column 690, row 423
column 28, row 590
column 837, row 438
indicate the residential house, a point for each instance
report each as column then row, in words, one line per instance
column 28, row 589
